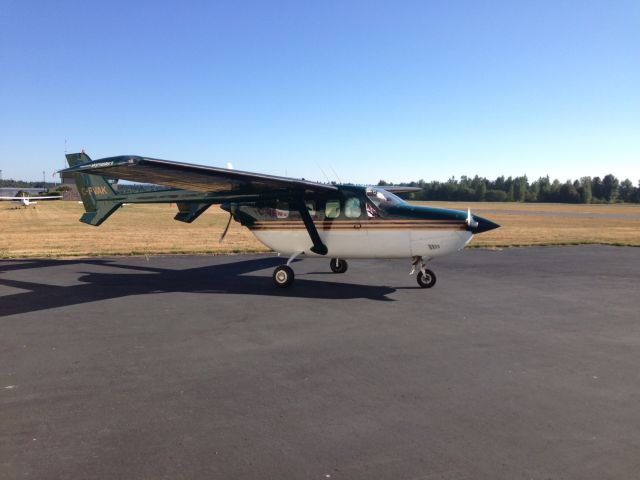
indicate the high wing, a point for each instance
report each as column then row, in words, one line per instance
column 198, row 178
column 198, row 187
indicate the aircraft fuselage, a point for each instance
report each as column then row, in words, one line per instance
column 359, row 222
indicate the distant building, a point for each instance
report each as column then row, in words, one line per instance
column 70, row 193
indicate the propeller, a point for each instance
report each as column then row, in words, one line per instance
column 226, row 229
column 471, row 222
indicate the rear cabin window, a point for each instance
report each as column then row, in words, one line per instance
column 332, row 209
column 352, row 207
column 282, row 210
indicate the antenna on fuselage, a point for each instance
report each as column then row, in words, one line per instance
column 334, row 172
column 325, row 175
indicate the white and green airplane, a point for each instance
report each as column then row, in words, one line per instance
column 293, row 217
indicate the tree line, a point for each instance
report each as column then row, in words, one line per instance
column 9, row 183
column 479, row 189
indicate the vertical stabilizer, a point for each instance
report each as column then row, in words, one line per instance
column 96, row 192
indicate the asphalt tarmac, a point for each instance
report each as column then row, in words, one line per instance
column 519, row 364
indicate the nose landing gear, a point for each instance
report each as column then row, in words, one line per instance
column 426, row 278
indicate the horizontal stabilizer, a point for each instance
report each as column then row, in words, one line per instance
column 103, row 211
column 189, row 211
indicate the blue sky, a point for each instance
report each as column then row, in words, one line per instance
column 369, row 89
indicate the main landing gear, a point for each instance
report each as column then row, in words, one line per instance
column 338, row 265
column 283, row 275
column 426, row 278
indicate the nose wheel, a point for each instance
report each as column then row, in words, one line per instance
column 338, row 265
column 426, row 278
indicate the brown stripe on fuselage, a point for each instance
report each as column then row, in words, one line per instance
column 362, row 222
column 367, row 224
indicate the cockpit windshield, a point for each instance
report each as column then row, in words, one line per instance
column 383, row 199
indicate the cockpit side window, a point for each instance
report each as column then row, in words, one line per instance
column 372, row 212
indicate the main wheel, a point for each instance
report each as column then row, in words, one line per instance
column 338, row 265
column 428, row 280
column 283, row 276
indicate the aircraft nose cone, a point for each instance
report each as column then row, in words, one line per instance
column 484, row 225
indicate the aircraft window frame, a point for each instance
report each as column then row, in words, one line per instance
column 335, row 211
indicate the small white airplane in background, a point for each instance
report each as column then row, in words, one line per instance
column 26, row 201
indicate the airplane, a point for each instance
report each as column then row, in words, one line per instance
column 292, row 217
column 26, row 201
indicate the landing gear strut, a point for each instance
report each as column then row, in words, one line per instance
column 338, row 265
column 426, row 278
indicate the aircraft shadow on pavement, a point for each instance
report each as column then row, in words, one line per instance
column 227, row 278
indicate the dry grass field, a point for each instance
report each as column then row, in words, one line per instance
column 52, row 229
column 525, row 224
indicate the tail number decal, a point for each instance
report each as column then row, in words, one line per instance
column 95, row 190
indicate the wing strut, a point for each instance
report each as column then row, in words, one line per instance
column 318, row 247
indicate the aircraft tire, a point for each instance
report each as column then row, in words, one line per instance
column 338, row 265
column 428, row 280
column 283, row 276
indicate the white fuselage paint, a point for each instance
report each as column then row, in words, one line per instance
column 366, row 243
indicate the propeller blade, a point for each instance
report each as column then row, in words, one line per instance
column 226, row 229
